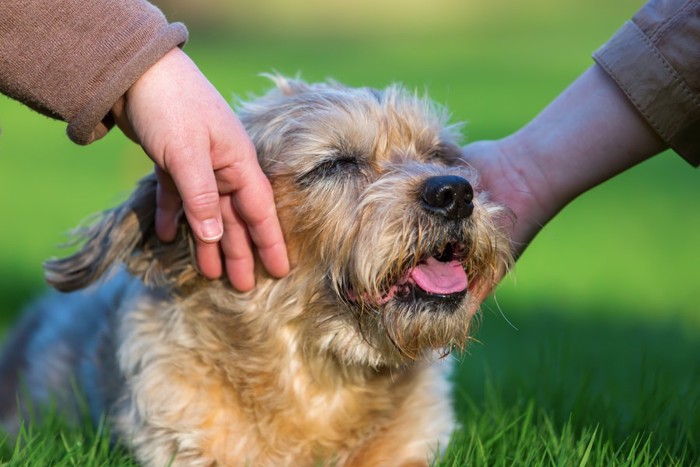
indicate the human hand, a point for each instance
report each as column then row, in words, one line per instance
column 206, row 164
column 587, row 135
column 507, row 182
column 514, row 181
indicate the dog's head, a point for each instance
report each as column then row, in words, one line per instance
column 388, row 233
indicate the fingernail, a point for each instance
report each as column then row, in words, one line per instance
column 211, row 230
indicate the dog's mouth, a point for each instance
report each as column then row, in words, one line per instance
column 437, row 278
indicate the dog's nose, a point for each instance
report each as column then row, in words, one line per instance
column 448, row 196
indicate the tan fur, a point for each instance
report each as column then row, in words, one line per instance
column 310, row 369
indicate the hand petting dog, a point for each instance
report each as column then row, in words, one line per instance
column 207, row 167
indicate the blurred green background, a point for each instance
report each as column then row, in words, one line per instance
column 613, row 279
column 630, row 245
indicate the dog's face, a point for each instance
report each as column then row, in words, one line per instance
column 380, row 213
column 388, row 233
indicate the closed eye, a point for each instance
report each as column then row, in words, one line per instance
column 331, row 168
column 446, row 154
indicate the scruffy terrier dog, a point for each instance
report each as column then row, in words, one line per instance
column 339, row 363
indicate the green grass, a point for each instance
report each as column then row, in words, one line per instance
column 561, row 390
column 590, row 355
column 55, row 443
column 624, row 381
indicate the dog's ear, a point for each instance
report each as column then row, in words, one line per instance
column 126, row 235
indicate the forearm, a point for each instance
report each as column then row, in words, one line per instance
column 641, row 97
column 72, row 59
column 587, row 135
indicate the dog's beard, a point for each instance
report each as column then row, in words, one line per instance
column 420, row 297
column 429, row 308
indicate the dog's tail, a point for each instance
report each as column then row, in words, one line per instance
column 125, row 235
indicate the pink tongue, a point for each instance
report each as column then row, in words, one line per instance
column 440, row 278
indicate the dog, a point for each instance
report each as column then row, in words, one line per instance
column 342, row 362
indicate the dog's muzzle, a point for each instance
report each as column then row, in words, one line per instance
column 440, row 276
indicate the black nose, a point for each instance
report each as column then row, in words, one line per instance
column 448, row 196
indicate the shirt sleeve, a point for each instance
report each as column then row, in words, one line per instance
column 73, row 59
column 655, row 60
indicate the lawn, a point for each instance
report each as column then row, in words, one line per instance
column 590, row 352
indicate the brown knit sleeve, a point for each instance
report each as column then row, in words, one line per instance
column 655, row 59
column 73, row 59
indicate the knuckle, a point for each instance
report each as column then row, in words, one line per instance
column 202, row 200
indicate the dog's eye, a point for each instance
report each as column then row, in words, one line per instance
column 335, row 166
column 330, row 168
column 447, row 154
column 436, row 157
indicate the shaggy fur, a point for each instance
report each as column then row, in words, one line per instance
column 340, row 362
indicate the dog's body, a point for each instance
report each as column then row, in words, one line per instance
column 336, row 364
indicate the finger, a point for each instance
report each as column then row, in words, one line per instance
column 252, row 195
column 254, row 204
column 168, row 206
column 209, row 259
column 237, row 248
column 191, row 170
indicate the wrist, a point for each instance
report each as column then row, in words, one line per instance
column 174, row 63
column 586, row 136
column 532, row 196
